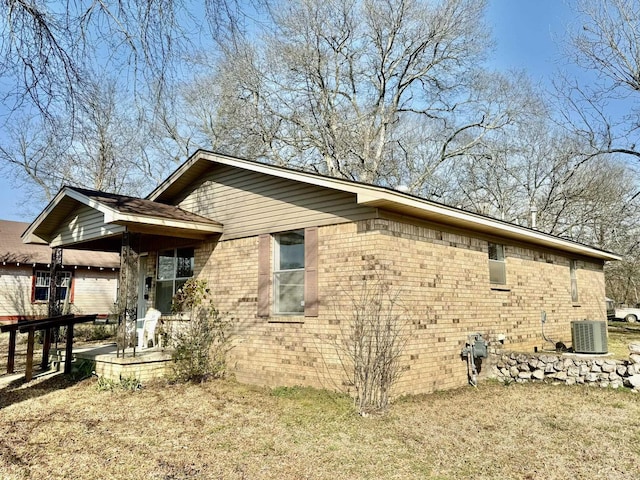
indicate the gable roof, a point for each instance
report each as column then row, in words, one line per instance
column 14, row 251
column 373, row 196
column 118, row 212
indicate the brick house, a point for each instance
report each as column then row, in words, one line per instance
column 89, row 280
column 284, row 251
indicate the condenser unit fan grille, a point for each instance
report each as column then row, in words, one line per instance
column 589, row 336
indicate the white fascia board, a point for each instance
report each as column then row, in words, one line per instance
column 28, row 236
column 533, row 236
column 175, row 175
column 372, row 195
column 119, row 218
column 90, row 202
column 272, row 170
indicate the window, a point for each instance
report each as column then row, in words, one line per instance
column 573, row 267
column 175, row 267
column 497, row 266
column 288, row 273
column 43, row 282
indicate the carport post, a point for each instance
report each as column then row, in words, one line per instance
column 12, row 351
column 46, row 346
column 28, row 375
column 69, row 348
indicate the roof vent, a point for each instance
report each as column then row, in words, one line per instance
column 402, row 188
column 589, row 336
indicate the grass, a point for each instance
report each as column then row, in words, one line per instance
column 55, row 428
column 621, row 334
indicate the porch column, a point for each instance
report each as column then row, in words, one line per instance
column 54, row 271
column 128, row 292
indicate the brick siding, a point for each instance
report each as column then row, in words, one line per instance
column 442, row 283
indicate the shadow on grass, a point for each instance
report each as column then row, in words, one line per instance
column 19, row 390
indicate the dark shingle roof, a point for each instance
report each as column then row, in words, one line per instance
column 140, row 206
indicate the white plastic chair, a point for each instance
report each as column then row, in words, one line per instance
column 146, row 328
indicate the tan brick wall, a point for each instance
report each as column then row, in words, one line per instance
column 442, row 280
column 143, row 371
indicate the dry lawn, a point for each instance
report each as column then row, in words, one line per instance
column 55, row 428
column 621, row 334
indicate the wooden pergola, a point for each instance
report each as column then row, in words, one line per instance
column 47, row 325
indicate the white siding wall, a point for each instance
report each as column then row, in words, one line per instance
column 15, row 292
column 94, row 291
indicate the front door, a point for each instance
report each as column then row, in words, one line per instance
column 143, row 286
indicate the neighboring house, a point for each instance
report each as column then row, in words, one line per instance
column 285, row 252
column 88, row 279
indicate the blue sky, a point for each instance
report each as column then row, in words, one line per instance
column 528, row 35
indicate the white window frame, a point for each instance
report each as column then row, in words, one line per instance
column 497, row 264
column 175, row 281
column 573, row 268
column 279, row 273
column 43, row 282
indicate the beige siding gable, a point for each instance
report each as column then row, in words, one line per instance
column 249, row 203
column 84, row 224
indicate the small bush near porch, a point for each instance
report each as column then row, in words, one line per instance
column 220, row 429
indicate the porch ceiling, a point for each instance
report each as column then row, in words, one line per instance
column 96, row 220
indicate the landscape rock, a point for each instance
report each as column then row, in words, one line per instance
column 634, row 348
column 615, row 384
column 595, row 372
column 573, row 371
column 560, row 376
column 633, row 381
column 591, row 377
column 538, row 374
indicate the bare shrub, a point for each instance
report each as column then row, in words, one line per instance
column 372, row 339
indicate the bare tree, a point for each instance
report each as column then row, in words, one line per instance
column 47, row 49
column 100, row 147
column 384, row 92
column 606, row 42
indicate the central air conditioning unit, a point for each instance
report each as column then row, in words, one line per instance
column 589, row 336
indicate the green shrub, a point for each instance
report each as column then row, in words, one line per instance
column 124, row 383
column 201, row 345
column 90, row 333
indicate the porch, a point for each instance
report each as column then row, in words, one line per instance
column 110, row 363
column 156, row 243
